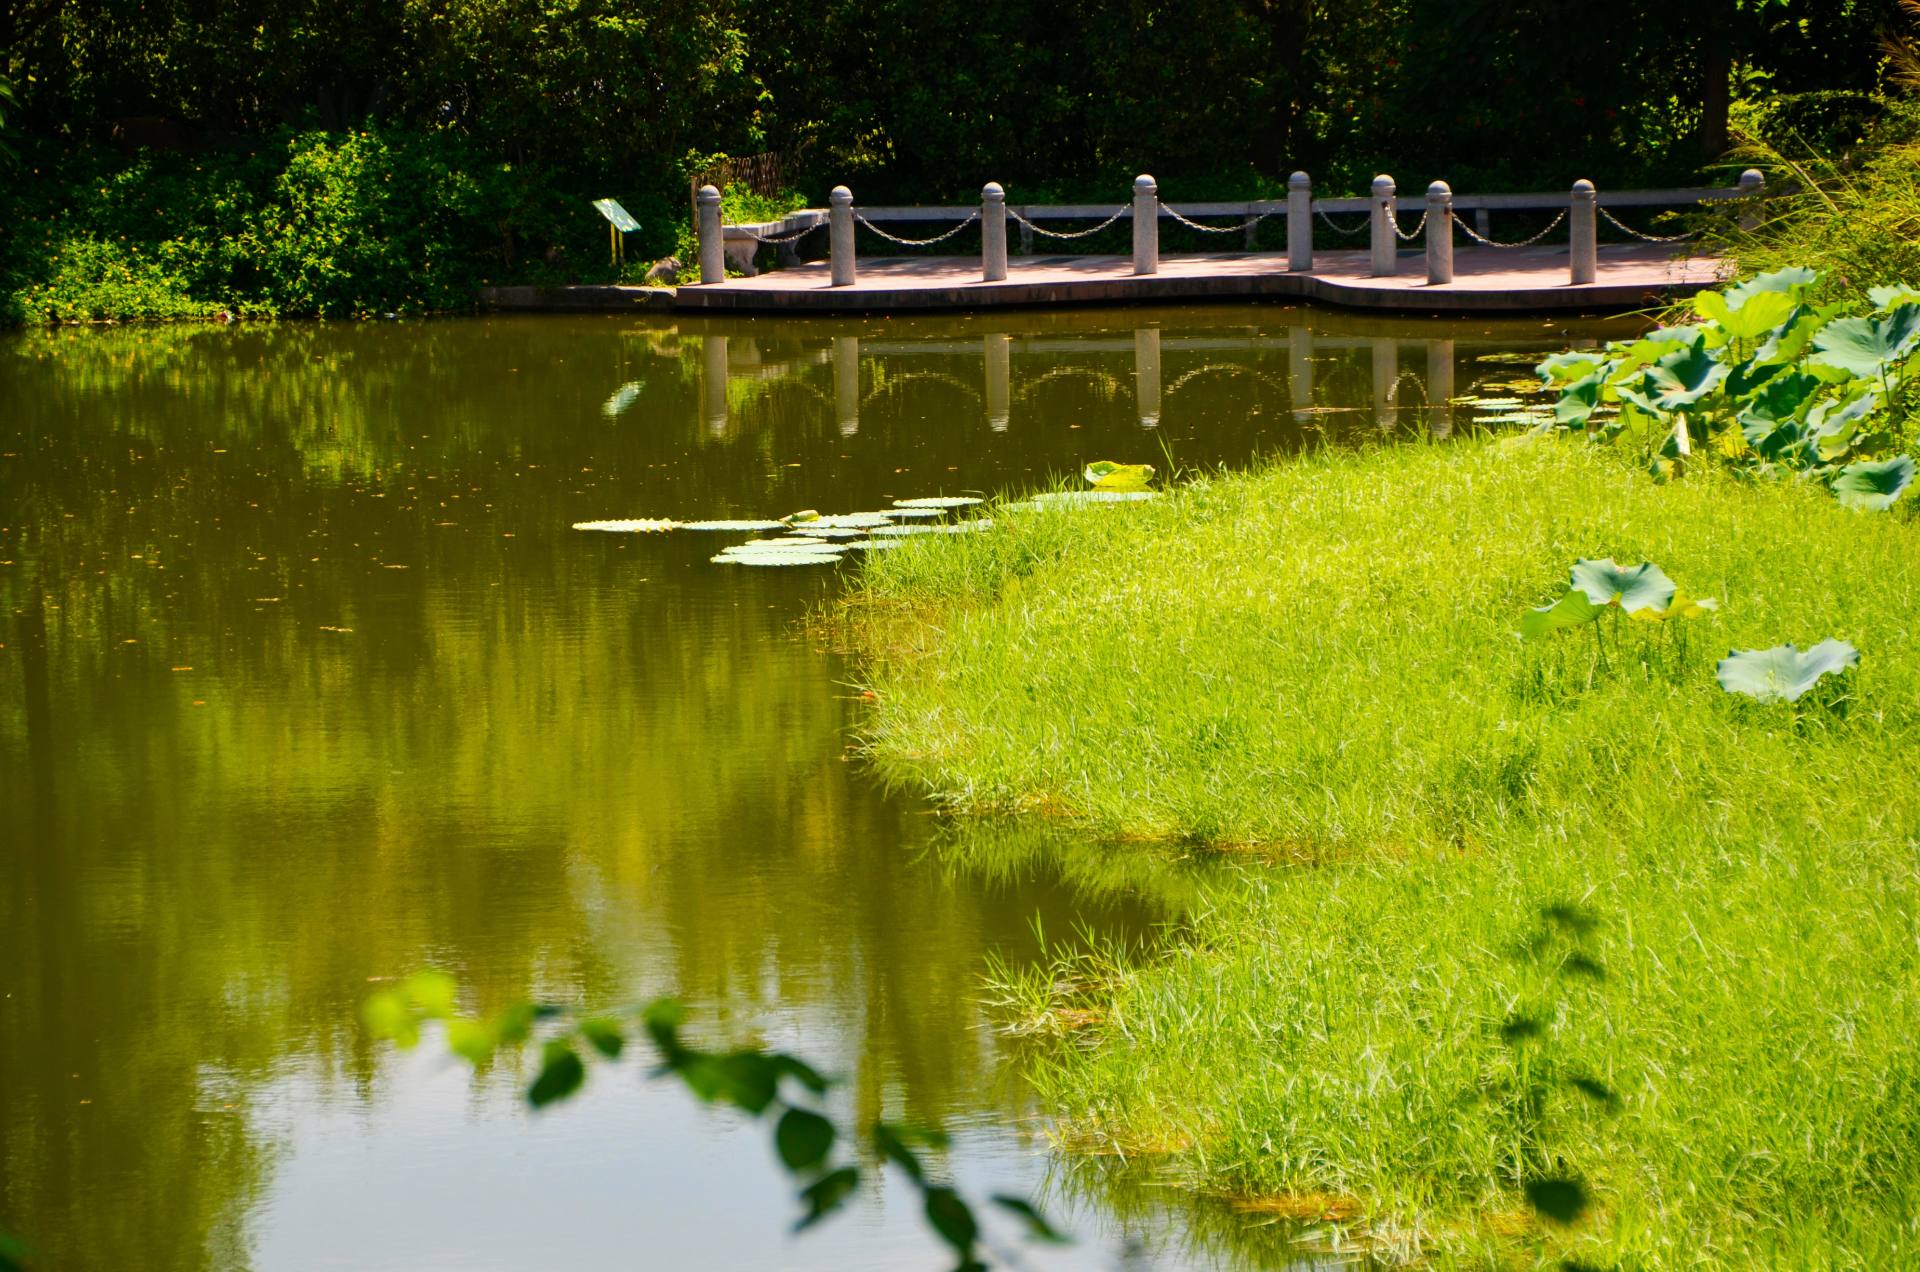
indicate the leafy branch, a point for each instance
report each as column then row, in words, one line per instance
column 771, row 1086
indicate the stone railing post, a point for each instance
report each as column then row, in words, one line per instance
column 993, row 233
column 1583, row 235
column 1752, row 184
column 1146, row 375
column 1439, row 233
column 840, row 236
column 713, row 242
column 1386, row 246
column 1146, row 225
column 1299, row 223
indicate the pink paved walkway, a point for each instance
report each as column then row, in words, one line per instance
column 1515, row 280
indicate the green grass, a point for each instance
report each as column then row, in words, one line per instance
column 1319, row 659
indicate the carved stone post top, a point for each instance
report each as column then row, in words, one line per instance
column 708, row 195
column 1144, row 184
column 992, row 193
column 1382, row 186
column 1583, row 189
column 841, row 196
column 1752, row 179
column 1299, row 181
column 1439, row 190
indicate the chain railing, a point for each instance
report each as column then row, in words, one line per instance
column 1484, row 241
column 775, row 240
column 1628, row 230
column 1013, row 214
column 1337, row 228
column 1191, row 224
column 925, row 242
column 1406, row 236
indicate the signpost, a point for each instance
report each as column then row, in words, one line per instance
column 619, row 222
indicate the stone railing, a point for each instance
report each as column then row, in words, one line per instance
column 1440, row 212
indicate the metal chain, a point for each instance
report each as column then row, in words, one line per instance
column 1393, row 219
column 1341, row 229
column 1075, row 234
column 1482, row 239
column 1247, row 224
column 775, row 239
column 1651, row 238
column 925, row 242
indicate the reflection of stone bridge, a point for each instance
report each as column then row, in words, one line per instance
column 1429, row 362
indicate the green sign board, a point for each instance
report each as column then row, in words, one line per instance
column 619, row 216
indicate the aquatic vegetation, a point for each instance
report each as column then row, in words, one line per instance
column 1764, row 380
column 653, row 526
column 939, row 501
column 1783, row 673
column 810, row 537
column 1642, row 592
column 1104, row 474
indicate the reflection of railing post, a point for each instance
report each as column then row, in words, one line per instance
column 1299, row 223
column 1386, row 378
column 846, row 384
column 1300, row 372
column 1439, row 233
column 993, row 232
column 713, row 384
column 1386, row 247
column 713, row 249
column 1752, row 184
column 1583, row 235
column 1440, row 386
column 840, row 232
column 1146, row 374
column 997, row 350
column 1146, row 225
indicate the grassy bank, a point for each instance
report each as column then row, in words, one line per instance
column 1400, row 1006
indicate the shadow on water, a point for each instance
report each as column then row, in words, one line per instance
column 305, row 682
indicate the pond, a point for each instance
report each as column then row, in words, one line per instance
column 305, row 682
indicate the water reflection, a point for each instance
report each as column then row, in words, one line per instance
column 305, row 682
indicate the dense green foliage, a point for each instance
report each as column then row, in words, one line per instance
column 1766, row 380
column 503, row 120
column 1320, row 659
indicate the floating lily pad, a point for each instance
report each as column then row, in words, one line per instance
column 873, row 545
column 737, row 527
column 647, row 526
column 1783, row 673
column 776, row 558
column 958, row 527
column 914, row 514
column 623, row 397
column 1105, row 474
column 808, row 542
column 847, row 521
column 825, row 533
column 1068, row 498
column 938, row 501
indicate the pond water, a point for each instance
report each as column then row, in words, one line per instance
column 305, row 683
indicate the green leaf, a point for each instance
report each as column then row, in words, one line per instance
column 604, row 1035
column 1683, row 377
column 893, row 1147
column 1566, row 368
column 1783, row 673
column 1644, row 586
column 388, row 1016
column 1562, row 1199
column 431, row 993
column 827, row 1194
column 1577, row 400
column 561, row 1073
column 801, row 1072
column 516, row 1023
column 1794, row 280
column 1104, row 474
column 1681, row 606
column 803, row 1139
column 1873, row 484
column 1892, row 296
column 662, row 1019
column 952, row 1218
column 471, row 1040
column 13, row 1252
column 1760, row 313
column 1037, row 1226
column 1868, row 346
column 1573, row 609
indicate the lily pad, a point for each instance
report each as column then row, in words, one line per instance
column 736, row 527
column 623, row 397
column 1067, row 498
column 1783, row 673
column 872, row 545
column 1104, row 474
column 644, row 526
column 914, row 514
column 786, row 557
column 827, row 532
column 958, row 527
column 847, row 521
column 1605, row 582
column 1873, row 484
column 939, row 501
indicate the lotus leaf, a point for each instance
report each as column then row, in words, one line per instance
column 1578, row 400
column 1783, row 674
column 1794, row 281
column 914, row 514
column 1605, row 582
column 736, row 526
column 776, row 558
column 1682, row 606
column 1758, row 316
column 801, row 517
column 1873, row 484
column 1573, row 609
column 1868, row 346
column 1683, row 377
column 653, row 526
column 1565, row 368
column 958, row 527
column 1104, row 474
column 1892, row 296
column 938, row 501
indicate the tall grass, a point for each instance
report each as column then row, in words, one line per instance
column 1318, row 658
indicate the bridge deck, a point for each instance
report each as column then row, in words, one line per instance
column 1523, row 280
